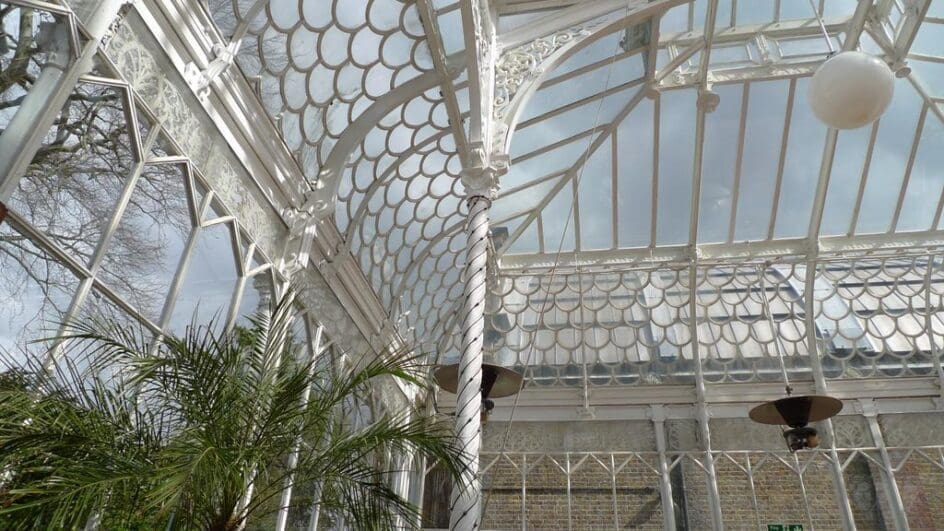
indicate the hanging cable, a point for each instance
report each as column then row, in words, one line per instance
column 773, row 328
column 822, row 28
column 560, row 247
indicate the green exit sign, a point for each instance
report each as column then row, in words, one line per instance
column 784, row 527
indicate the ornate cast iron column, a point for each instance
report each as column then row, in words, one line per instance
column 481, row 183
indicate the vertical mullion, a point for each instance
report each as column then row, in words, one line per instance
column 575, row 183
column 911, row 160
column 937, row 212
column 570, row 509
column 613, row 473
column 784, row 144
column 314, row 350
column 819, row 379
column 696, row 178
column 892, row 491
column 244, row 265
column 736, row 191
column 614, row 176
column 235, row 301
column 46, row 98
column 524, row 492
column 654, row 212
column 122, row 204
column 803, row 493
column 929, row 326
column 78, row 298
column 866, row 165
column 657, row 415
column 750, row 479
column 701, row 406
column 184, row 263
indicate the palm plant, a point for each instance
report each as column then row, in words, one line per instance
column 194, row 432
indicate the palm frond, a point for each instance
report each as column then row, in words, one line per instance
column 177, row 431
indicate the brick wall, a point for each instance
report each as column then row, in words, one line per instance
column 603, row 493
column 622, row 489
column 777, row 495
column 921, row 484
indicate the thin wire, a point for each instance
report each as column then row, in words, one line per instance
column 822, row 28
column 557, row 256
column 773, row 328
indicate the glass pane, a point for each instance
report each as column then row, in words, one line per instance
column 844, row 180
column 896, row 134
column 634, row 144
column 807, row 136
column 924, row 185
column 676, row 146
column 766, row 113
column 257, row 296
column 35, row 292
column 143, row 254
column 209, row 281
column 718, row 165
column 30, row 40
column 595, row 204
column 73, row 183
column 99, row 308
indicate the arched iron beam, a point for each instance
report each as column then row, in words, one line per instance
column 524, row 64
column 384, row 178
column 324, row 196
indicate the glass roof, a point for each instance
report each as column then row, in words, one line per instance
column 610, row 150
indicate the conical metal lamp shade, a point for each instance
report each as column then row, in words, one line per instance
column 504, row 381
column 796, row 411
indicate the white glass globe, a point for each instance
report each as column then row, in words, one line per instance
column 851, row 89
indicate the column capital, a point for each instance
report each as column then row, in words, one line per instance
column 482, row 172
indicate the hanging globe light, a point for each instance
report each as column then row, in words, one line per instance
column 851, row 89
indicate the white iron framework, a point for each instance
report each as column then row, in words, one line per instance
column 599, row 193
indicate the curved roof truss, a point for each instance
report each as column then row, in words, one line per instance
column 382, row 103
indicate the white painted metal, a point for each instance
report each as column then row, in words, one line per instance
column 440, row 61
column 788, row 251
column 903, row 189
column 781, row 162
column 657, row 414
column 51, row 90
column 892, row 492
column 863, row 180
column 701, row 404
column 466, row 505
column 791, row 249
column 816, row 348
column 286, row 496
column 736, row 187
column 572, row 172
column 575, row 16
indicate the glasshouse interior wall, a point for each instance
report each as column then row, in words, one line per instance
column 148, row 181
column 131, row 202
column 613, row 475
